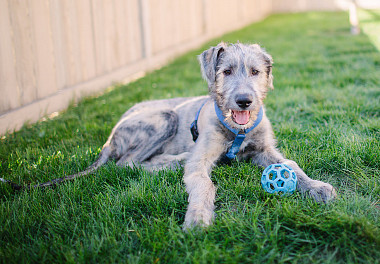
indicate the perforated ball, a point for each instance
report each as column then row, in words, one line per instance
column 279, row 178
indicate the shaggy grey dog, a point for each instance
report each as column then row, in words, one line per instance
column 231, row 122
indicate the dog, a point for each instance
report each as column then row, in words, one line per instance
column 230, row 122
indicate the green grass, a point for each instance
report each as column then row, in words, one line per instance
column 324, row 110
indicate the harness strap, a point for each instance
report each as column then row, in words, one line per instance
column 231, row 154
column 194, row 126
column 240, row 134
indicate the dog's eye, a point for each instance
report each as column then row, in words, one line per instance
column 254, row 71
column 227, row 72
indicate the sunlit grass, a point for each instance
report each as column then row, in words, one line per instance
column 369, row 23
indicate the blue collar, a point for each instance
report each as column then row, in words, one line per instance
column 221, row 118
column 240, row 134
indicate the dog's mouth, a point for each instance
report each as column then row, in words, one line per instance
column 241, row 117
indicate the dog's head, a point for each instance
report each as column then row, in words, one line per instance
column 238, row 78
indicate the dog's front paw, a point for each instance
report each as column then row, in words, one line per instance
column 197, row 218
column 322, row 192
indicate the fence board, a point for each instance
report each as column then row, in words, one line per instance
column 111, row 38
column 226, row 19
column 120, row 13
column 86, row 39
column 9, row 97
column 184, row 22
column 99, row 36
column 190, row 20
column 162, row 28
column 128, row 31
column 58, row 43
column 41, row 35
column 255, row 10
column 134, row 32
column 24, row 50
column 73, row 67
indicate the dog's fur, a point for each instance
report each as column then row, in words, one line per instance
column 156, row 134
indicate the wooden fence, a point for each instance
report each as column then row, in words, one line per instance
column 56, row 51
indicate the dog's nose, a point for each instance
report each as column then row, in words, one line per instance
column 244, row 100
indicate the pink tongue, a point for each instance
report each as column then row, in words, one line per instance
column 241, row 117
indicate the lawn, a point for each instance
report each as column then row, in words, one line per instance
column 325, row 113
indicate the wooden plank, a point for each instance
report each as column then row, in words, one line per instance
column 184, row 23
column 162, row 25
column 132, row 32
column 24, row 50
column 86, row 39
column 127, row 27
column 226, row 19
column 45, row 63
column 112, row 60
column 9, row 98
column 73, row 67
column 190, row 21
column 58, row 43
column 120, row 13
column 99, row 36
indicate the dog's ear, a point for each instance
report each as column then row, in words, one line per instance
column 268, row 63
column 270, row 77
column 209, row 61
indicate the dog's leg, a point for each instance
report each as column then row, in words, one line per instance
column 199, row 186
column 319, row 191
column 165, row 161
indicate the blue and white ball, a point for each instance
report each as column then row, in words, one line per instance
column 279, row 178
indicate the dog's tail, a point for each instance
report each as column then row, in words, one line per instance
column 102, row 159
